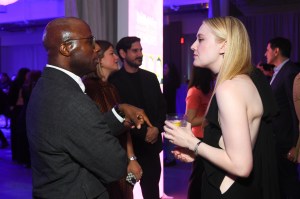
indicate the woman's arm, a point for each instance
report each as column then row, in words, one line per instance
column 193, row 101
column 133, row 165
column 193, row 118
column 236, row 158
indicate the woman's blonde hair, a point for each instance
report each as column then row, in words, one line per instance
column 237, row 56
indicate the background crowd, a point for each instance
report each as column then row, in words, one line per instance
column 15, row 93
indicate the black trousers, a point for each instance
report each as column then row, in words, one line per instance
column 288, row 176
column 150, row 164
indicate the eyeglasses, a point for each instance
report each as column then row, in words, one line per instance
column 92, row 40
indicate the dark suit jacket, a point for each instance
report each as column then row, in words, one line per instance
column 148, row 96
column 73, row 151
column 286, row 123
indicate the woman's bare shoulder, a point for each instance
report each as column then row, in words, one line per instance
column 237, row 84
column 239, row 89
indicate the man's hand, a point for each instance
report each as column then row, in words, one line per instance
column 134, row 117
column 291, row 156
column 152, row 133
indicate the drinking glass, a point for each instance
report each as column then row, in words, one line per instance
column 177, row 119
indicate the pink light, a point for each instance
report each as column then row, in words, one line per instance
column 7, row 2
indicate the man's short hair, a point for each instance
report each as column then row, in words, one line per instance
column 125, row 44
column 283, row 44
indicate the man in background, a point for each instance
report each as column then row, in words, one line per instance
column 141, row 89
column 285, row 124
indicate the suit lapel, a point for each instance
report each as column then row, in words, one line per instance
column 279, row 77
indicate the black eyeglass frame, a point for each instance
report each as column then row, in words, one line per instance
column 91, row 39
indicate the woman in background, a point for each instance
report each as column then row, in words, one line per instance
column 3, row 107
column 106, row 97
column 23, row 157
column 5, row 83
column 171, row 82
column 296, row 95
column 16, row 103
column 199, row 93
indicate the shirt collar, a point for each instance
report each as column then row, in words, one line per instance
column 76, row 78
column 277, row 68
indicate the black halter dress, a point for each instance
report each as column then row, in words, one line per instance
column 263, row 180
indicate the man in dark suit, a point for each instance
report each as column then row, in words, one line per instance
column 73, row 149
column 286, row 123
column 141, row 88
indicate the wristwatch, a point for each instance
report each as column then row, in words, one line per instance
column 132, row 157
column 119, row 112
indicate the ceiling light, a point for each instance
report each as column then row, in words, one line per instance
column 7, row 2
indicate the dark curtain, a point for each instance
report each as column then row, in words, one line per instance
column 101, row 15
column 262, row 28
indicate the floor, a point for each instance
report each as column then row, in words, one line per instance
column 176, row 180
column 15, row 179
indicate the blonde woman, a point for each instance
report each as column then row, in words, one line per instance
column 237, row 148
column 105, row 95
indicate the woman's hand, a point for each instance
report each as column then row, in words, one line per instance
column 183, row 154
column 180, row 136
column 135, row 168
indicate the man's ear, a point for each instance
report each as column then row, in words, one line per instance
column 276, row 51
column 122, row 53
column 65, row 49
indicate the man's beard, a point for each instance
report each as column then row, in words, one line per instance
column 133, row 64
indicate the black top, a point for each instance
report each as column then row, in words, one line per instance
column 263, row 180
column 142, row 89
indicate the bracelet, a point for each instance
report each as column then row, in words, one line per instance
column 119, row 112
column 196, row 148
column 132, row 158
